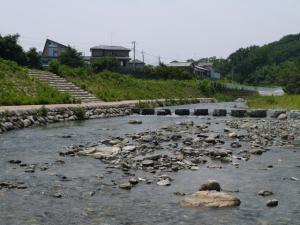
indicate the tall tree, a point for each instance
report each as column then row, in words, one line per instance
column 33, row 59
column 71, row 57
column 11, row 50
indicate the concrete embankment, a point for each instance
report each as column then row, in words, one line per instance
column 23, row 118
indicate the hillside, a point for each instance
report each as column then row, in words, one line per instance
column 277, row 63
column 17, row 88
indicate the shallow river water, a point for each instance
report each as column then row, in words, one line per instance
column 145, row 204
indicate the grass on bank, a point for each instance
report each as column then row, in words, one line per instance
column 110, row 86
column 18, row 88
column 273, row 102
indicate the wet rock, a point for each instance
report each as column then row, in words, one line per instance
column 272, row 203
column 125, row 186
column 147, row 163
column 282, row 117
column 201, row 112
column 129, row 148
column 256, row 151
column 294, row 179
column 134, row 181
column 88, row 194
column 194, row 168
column 232, row 135
column 13, row 161
column 219, row 112
column 57, row 195
column 235, row 145
column 101, row 152
column 179, row 193
column 276, row 113
column 148, row 112
column 211, row 185
column 238, row 113
column 135, row 122
column 165, row 182
column 182, row 112
column 265, row 193
column 210, row 199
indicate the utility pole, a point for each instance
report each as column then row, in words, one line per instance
column 159, row 61
column 134, row 43
column 143, row 56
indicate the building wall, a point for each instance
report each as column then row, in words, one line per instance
column 102, row 53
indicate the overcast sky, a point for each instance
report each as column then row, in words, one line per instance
column 172, row 29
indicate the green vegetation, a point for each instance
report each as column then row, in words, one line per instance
column 79, row 112
column 167, row 102
column 273, row 102
column 70, row 57
column 277, row 63
column 17, row 87
column 110, row 86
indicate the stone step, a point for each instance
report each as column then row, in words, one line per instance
column 62, row 85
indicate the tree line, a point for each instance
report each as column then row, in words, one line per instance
column 277, row 63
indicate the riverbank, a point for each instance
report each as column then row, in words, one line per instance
column 273, row 102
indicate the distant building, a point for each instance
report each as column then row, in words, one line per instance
column 121, row 54
column 52, row 50
column 201, row 70
column 137, row 64
column 207, row 69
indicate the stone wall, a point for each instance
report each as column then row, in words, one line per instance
column 10, row 120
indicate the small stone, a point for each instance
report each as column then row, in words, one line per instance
column 135, row 122
column 148, row 163
column 194, row 168
column 133, row 181
column 57, row 195
column 179, row 193
column 265, row 193
column 232, row 135
column 126, row 186
column 282, row 116
column 14, row 161
column 272, row 203
column 294, row 179
column 211, row 185
column 165, row 182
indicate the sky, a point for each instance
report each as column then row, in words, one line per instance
column 170, row 29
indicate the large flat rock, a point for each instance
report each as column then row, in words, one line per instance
column 211, row 199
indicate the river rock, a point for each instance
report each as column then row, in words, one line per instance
column 126, row 186
column 265, row 193
column 272, row 203
column 165, row 182
column 182, row 112
column 201, row 112
column 134, row 122
column 101, row 152
column 282, row 116
column 211, row 185
column 147, row 163
column 211, row 199
column 275, row 113
column 129, row 148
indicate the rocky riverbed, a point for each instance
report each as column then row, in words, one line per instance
column 152, row 172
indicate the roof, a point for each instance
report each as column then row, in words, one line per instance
column 136, row 61
column 201, row 64
column 110, row 47
column 48, row 40
column 180, row 64
column 201, row 68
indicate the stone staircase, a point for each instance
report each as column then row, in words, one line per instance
column 62, row 85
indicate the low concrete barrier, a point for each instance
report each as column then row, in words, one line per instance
column 258, row 113
column 148, row 112
column 220, row 112
column 201, row 112
column 238, row 113
column 182, row 112
column 276, row 113
column 163, row 112
column 136, row 111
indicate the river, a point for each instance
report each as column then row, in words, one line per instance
column 145, row 204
